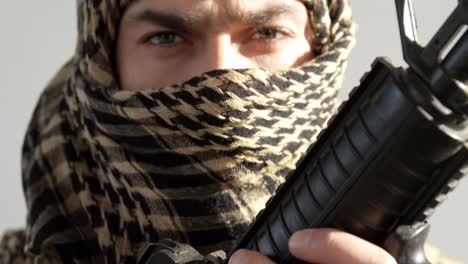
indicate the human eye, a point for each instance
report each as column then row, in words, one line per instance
column 165, row 38
column 269, row 33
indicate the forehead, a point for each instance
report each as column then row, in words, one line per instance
column 216, row 9
column 210, row 4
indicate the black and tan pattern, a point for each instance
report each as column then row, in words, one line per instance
column 107, row 171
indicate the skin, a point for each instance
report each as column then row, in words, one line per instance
column 324, row 246
column 164, row 42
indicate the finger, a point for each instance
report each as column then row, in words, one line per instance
column 244, row 256
column 327, row 245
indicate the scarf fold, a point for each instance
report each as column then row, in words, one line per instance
column 107, row 171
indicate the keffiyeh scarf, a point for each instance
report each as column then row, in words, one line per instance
column 106, row 171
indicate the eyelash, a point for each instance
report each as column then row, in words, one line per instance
column 275, row 30
column 161, row 34
column 272, row 30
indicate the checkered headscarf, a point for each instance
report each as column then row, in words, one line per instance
column 107, row 171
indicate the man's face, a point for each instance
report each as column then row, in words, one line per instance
column 164, row 42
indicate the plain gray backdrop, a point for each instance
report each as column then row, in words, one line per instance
column 37, row 37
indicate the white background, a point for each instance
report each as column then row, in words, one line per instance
column 36, row 37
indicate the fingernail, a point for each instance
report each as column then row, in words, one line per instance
column 237, row 257
column 302, row 241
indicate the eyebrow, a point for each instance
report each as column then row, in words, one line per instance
column 189, row 22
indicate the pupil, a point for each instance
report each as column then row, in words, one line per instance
column 270, row 33
column 165, row 38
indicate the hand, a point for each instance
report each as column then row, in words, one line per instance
column 323, row 246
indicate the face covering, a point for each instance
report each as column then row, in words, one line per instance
column 108, row 171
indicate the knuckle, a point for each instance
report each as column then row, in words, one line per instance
column 331, row 239
column 381, row 257
column 240, row 256
column 390, row 260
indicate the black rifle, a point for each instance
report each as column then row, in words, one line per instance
column 386, row 160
